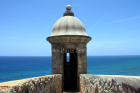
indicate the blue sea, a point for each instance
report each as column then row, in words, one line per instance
column 21, row 67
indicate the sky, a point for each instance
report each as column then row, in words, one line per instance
column 113, row 25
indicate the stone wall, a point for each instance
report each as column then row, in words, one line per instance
column 109, row 84
column 58, row 50
column 66, row 44
column 45, row 84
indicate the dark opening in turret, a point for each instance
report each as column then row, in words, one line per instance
column 70, row 72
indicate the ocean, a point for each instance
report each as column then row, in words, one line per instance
column 21, row 67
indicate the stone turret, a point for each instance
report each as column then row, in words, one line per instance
column 69, row 37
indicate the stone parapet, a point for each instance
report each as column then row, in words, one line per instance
column 109, row 84
column 44, row 84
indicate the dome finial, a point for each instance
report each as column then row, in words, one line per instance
column 68, row 12
column 68, row 7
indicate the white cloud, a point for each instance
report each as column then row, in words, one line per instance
column 126, row 19
column 98, row 22
column 98, row 45
column 9, row 38
column 110, row 42
column 77, row 5
column 122, row 49
column 16, row 48
column 89, row 48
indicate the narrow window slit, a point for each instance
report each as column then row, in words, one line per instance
column 68, row 57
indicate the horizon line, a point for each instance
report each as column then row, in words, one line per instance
column 89, row 55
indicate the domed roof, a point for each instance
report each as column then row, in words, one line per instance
column 68, row 25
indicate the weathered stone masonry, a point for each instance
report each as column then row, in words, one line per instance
column 45, row 84
column 69, row 37
column 63, row 44
column 68, row 44
column 88, row 84
column 109, row 84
